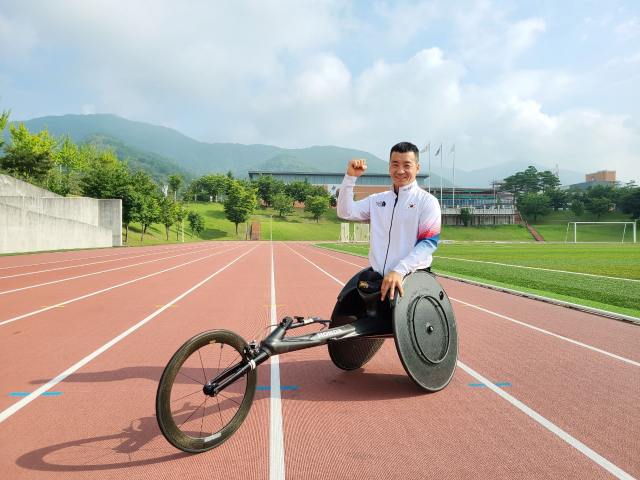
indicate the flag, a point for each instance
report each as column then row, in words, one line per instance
column 438, row 152
column 426, row 149
column 453, row 149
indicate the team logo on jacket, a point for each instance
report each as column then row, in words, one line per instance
column 410, row 206
column 381, row 204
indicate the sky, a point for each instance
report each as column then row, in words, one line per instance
column 543, row 81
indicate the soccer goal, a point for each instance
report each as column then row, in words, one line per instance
column 360, row 232
column 601, row 232
column 344, row 233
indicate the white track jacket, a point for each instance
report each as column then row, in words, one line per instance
column 405, row 228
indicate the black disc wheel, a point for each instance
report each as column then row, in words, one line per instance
column 188, row 418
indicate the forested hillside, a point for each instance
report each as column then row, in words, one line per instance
column 201, row 157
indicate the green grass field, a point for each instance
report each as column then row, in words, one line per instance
column 297, row 226
column 553, row 227
column 613, row 294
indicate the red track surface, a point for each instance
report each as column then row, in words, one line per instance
column 369, row 423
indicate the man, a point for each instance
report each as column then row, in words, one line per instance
column 405, row 221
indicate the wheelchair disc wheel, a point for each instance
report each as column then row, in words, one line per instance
column 188, row 418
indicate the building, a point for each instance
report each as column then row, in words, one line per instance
column 491, row 206
column 602, row 176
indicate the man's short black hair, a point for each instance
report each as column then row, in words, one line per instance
column 404, row 147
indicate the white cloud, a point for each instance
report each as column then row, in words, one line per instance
column 628, row 30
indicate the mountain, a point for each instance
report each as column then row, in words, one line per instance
column 198, row 156
column 159, row 166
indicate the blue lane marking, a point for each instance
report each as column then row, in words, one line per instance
column 24, row 394
column 501, row 384
column 282, row 387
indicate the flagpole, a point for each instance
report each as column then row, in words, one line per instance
column 429, row 167
column 441, row 173
column 453, row 197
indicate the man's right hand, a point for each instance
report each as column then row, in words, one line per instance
column 357, row 167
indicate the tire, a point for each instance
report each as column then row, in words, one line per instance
column 190, row 420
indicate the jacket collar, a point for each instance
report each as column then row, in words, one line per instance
column 406, row 188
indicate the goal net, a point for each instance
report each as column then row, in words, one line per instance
column 360, row 232
column 344, row 232
column 601, row 232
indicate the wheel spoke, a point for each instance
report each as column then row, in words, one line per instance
column 228, row 398
column 201, row 365
column 189, row 417
column 188, row 395
column 191, row 378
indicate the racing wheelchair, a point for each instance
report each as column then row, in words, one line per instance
column 208, row 386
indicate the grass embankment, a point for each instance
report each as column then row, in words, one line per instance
column 612, row 294
column 299, row 225
column 553, row 227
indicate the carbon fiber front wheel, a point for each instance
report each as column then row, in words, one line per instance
column 188, row 418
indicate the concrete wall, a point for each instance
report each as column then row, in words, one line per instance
column 110, row 216
column 99, row 213
column 10, row 186
column 24, row 230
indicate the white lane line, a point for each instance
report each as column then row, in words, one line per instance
column 326, row 273
column 104, row 271
column 96, row 263
column 276, row 435
column 126, row 252
column 603, row 462
column 538, row 268
column 32, row 396
column 111, row 288
column 331, row 256
column 581, row 447
column 612, row 355
column 527, row 325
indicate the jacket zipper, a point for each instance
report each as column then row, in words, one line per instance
column 390, row 227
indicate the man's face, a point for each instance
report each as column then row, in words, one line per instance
column 403, row 169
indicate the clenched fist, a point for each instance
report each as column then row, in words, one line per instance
column 357, row 167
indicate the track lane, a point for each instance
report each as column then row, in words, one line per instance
column 603, row 438
column 26, row 303
column 619, row 338
column 14, row 284
column 20, row 271
column 117, row 390
column 64, row 335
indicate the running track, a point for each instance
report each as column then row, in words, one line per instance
column 87, row 334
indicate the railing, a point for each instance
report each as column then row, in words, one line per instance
column 479, row 211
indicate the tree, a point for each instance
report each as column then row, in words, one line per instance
column 239, row 204
column 30, row 155
column 547, row 181
column 105, row 176
column 175, row 182
column 465, row 216
column 283, row 204
column 213, row 185
column 536, row 205
column 577, row 207
column 196, row 222
column 167, row 214
column 181, row 214
column 559, row 198
column 132, row 202
column 630, row 203
column 267, row 188
column 4, row 119
column 298, row 190
column 598, row 205
column 148, row 213
column 319, row 191
column 318, row 205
